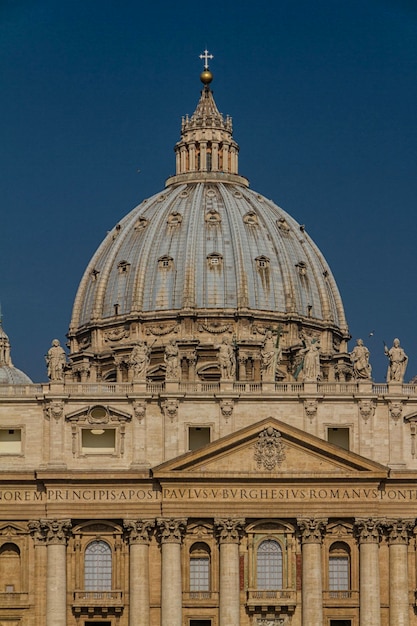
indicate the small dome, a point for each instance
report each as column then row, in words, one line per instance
column 9, row 375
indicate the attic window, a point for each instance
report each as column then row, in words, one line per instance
column 10, row 441
column 198, row 436
column 123, row 267
column 94, row 274
column 214, row 260
column 339, row 437
column 165, row 262
column 262, row 262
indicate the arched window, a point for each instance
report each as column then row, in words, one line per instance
column 98, row 567
column 339, row 568
column 269, row 565
column 200, row 567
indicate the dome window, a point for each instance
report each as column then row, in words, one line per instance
column 123, row 267
column 165, row 262
column 283, row 226
column 94, row 273
column 141, row 223
column 262, row 262
column 174, row 218
column 302, row 268
column 215, row 260
column 251, row 218
column 212, row 217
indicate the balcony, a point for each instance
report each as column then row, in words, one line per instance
column 14, row 600
column 271, row 599
column 341, row 598
column 200, row 598
column 99, row 602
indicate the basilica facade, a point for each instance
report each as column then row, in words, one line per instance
column 209, row 452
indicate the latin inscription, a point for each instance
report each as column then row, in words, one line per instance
column 303, row 494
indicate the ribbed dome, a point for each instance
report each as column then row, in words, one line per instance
column 207, row 245
column 203, row 257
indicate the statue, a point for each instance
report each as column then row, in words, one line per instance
column 227, row 360
column 270, row 357
column 172, row 362
column 139, row 361
column 311, row 361
column 360, row 360
column 56, row 360
column 397, row 362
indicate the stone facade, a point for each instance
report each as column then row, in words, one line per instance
column 197, row 464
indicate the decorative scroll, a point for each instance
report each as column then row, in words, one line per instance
column 312, row 529
column 171, row 530
column 269, row 449
column 139, row 530
column 229, row 530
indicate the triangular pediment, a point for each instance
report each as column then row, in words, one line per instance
column 271, row 448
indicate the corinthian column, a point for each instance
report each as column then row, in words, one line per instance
column 229, row 532
column 368, row 533
column 138, row 533
column 55, row 534
column 171, row 532
column 312, row 531
column 398, row 537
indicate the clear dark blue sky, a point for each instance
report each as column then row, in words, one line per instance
column 323, row 96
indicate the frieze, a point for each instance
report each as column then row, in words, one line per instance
column 216, row 328
column 116, row 334
column 161, row 329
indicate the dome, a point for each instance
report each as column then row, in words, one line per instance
column 9, row 375
column 205, row 256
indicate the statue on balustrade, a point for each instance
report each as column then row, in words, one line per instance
column 360, row 360
column 56, row 360
column 227, row 360
column 270, row 357
column 139, row 360
column 172, row 362
column 311, row 360
column 397, row 362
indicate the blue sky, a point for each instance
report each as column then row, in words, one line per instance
column 323, row 96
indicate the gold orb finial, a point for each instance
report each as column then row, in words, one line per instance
column 206, row 77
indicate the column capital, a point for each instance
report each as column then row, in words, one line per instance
column 312, row 529
column 50, row 532
column 138, row 530
column 229, row 530
column 368, row 530
column 399, row 530
column 170, row 529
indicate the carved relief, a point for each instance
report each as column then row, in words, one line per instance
column 212, row 218
column 226, row 407
column 170, row 408
column 216, row 328
column 269, row 449
column 229, row 530
column 367, row 408
column 310, row 407
column 395, row 409
column 138, row 531
column 116, row 334
column 250, row 218
column 52, row 532
column 54, row 409
column 161, row 329
column 171, row 530
column 283, row 226
column 399, row 530
column 139, row 409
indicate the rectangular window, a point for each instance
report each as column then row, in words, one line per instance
column 198, row 437
column 200, row 574
column 10, row 441
column 98, row 440
column 339, row 436
column 338, row 573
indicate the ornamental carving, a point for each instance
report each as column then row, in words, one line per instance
column 170, row 408
column 216, row 328
column 312, row 529
column 368, row 530
column 278, row 621
column 139, row 530
column 116, row 334
column 399, row 530
column 171, row 530
column 161, row 329
column 310, row 407
column 226, row 407
column 395, row 409
column 229, row 530
column 269, row 449
column 51, row 532
column 367, row 408
column 139, row 409
column 54, row 409
column 84, row 343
